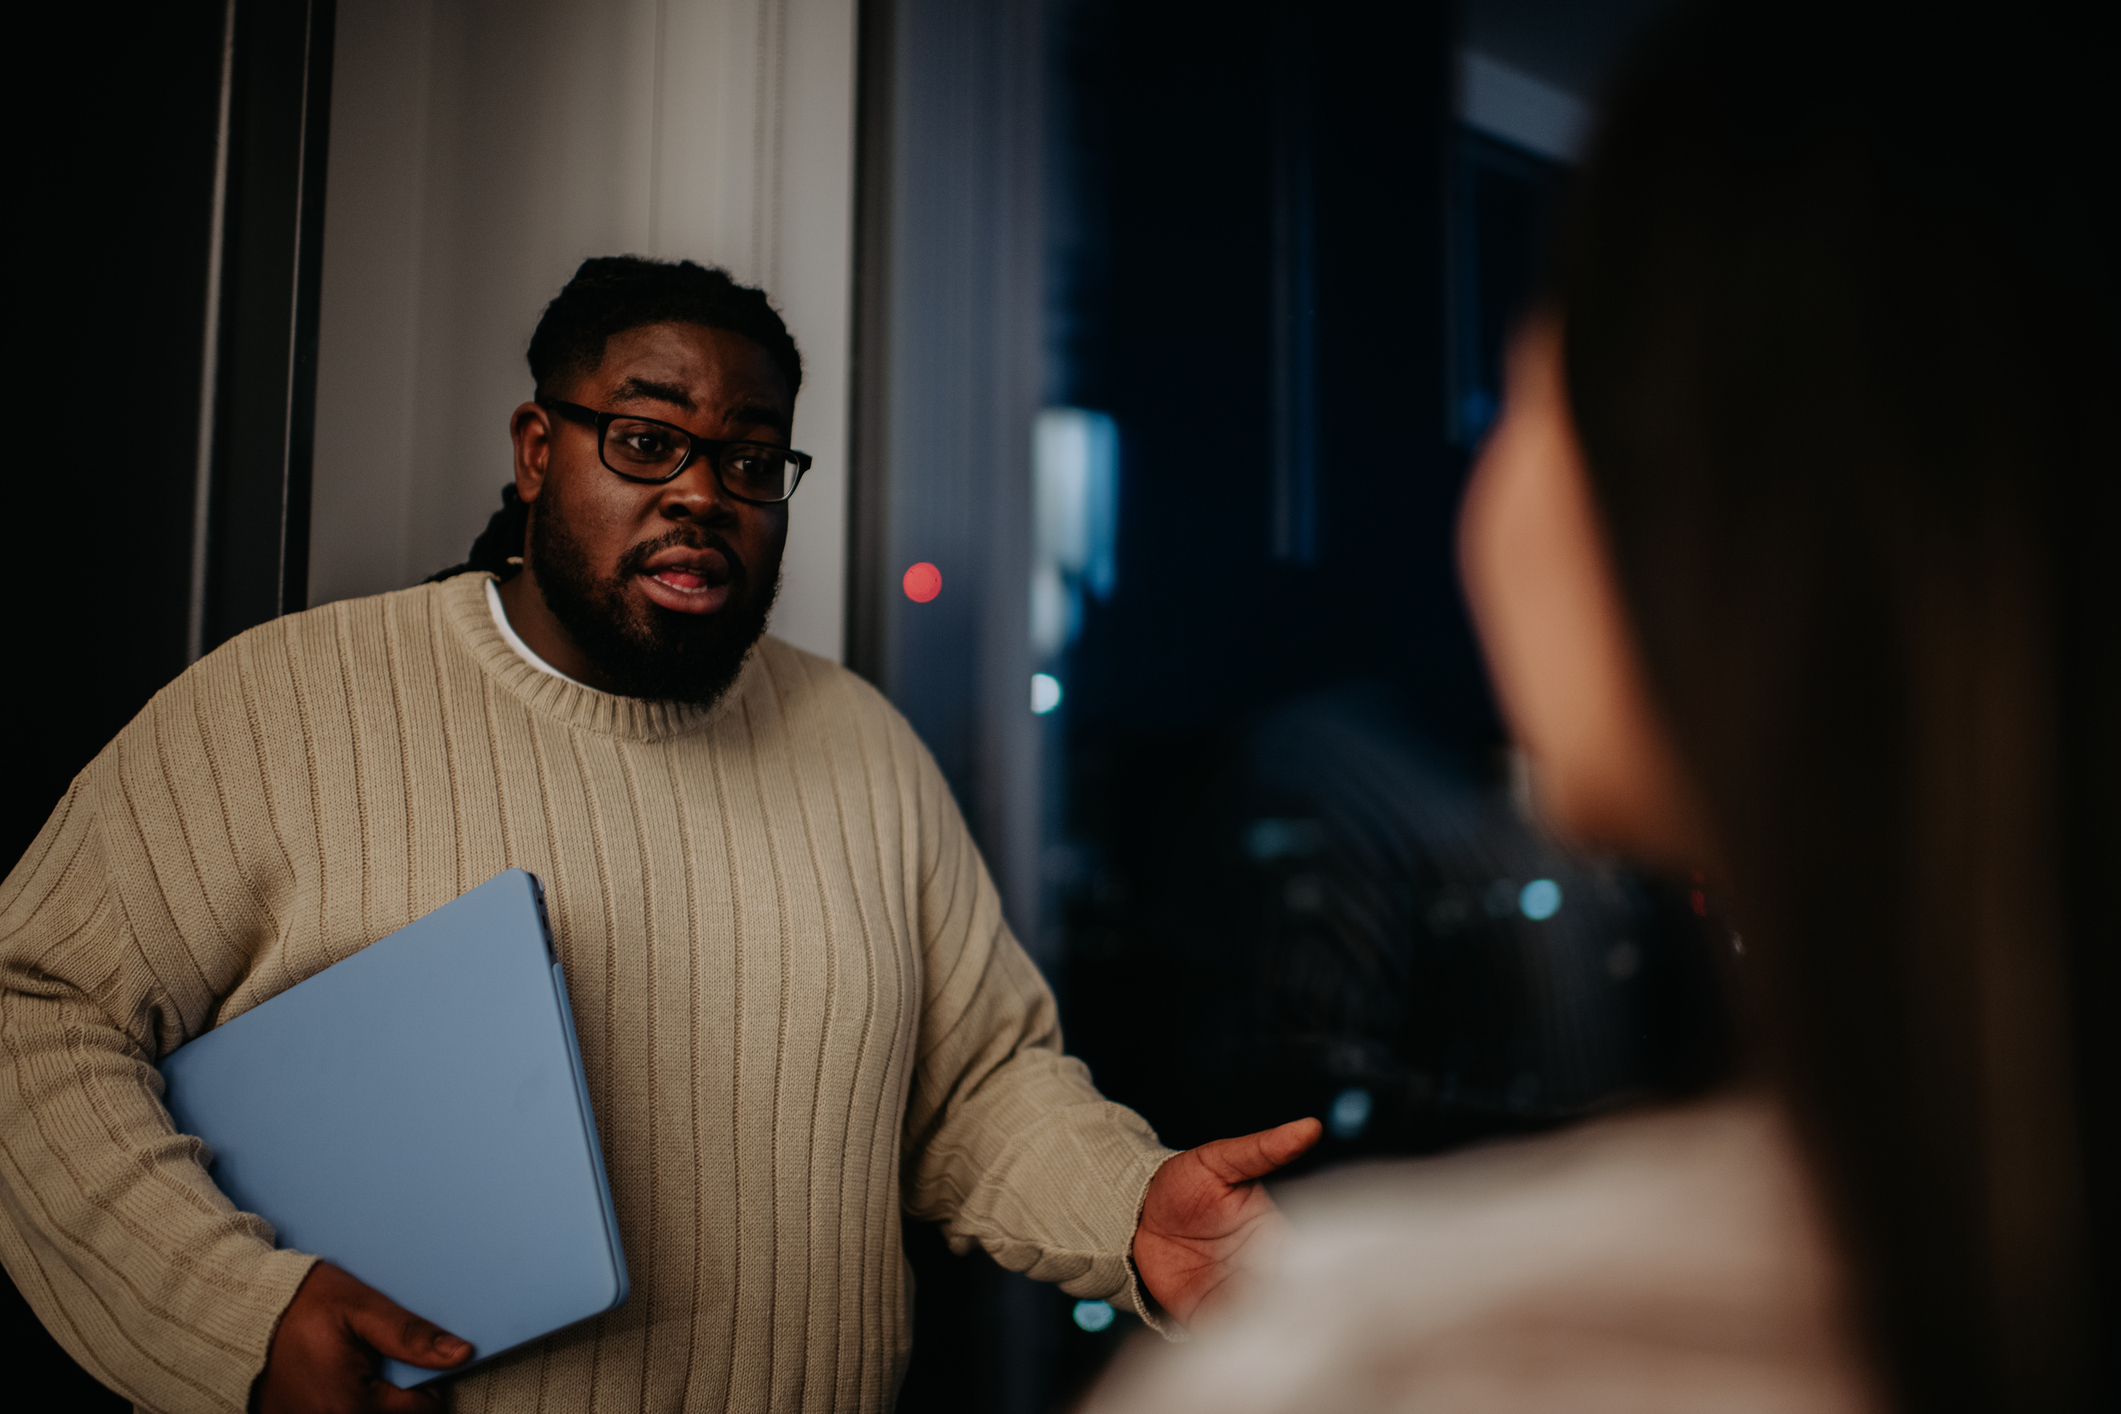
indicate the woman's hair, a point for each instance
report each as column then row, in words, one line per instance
column 1839, row 305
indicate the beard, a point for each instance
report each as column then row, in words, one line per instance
column 644, row 649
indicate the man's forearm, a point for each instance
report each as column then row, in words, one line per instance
column 113, row 1229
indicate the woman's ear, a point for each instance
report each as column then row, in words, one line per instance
column 1561, row 652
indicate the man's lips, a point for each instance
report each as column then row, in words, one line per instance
column 687, row 580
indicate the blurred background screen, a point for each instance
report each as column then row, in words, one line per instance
column 1161, row 332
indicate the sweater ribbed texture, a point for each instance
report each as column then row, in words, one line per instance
column 800, row 1010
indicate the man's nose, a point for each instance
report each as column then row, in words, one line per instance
column 697, row 494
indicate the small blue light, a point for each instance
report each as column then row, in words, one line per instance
column 1540, row 900
column 1268, row 840
column 1094, row 1316
column 1350, row 1112
column 1045, row 693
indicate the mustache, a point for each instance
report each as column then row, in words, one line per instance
column 689, row 537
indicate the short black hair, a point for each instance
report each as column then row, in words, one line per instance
column 610, row 294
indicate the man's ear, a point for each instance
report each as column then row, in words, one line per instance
column 530, row 428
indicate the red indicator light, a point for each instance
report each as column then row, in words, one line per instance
column 1700, row 901
column 923, row 582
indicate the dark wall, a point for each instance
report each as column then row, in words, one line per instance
column 114, row 314
column 112, row 262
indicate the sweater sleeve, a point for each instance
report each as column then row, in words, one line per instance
column 1009, row 1145
column 109, row 1223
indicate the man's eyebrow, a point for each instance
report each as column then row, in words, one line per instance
column 763, row 413
column 635, row 390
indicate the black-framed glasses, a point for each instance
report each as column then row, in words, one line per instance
column 650, row 452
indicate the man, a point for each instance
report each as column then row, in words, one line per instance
column 800, row 1010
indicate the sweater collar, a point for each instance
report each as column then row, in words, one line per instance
column 515, row 640
column 464, row 608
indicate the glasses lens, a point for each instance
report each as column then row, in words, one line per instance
column 757, row 472
column 646, row 449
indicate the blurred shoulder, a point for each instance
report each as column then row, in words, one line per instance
column 1668, row 1259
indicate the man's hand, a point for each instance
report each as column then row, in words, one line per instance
column 331, row 1341
column 1205, row 1206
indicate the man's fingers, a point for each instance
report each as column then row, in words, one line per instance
column 1287, row 1142
column 397, row 1334
column 1251, row 1156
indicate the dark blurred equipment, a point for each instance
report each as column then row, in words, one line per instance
column 1333, row 921
column 1342, row 925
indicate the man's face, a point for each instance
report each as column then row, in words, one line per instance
column 663, row 589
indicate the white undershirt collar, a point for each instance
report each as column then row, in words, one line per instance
column 515, row 640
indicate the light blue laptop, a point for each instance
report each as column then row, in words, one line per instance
column 418, row 1115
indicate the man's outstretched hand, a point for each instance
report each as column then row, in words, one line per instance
column 1205, row 1207
column 325, row 1357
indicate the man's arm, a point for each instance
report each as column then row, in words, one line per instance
column 109, row 1223
column 1010, row 1146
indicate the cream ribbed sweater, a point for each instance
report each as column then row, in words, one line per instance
column 800, row 1009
